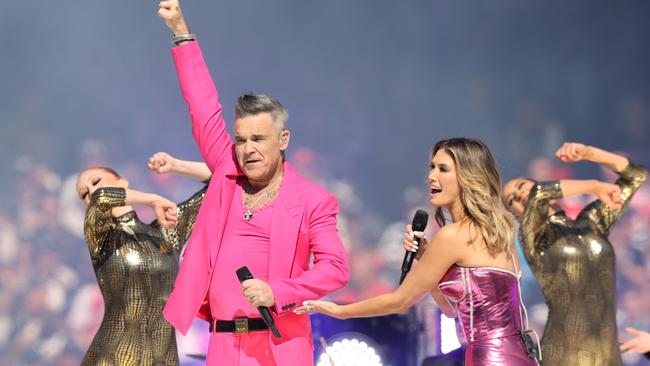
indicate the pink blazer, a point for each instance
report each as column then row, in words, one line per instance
column 304, row 220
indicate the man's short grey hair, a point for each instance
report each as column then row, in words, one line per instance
column 251, row 104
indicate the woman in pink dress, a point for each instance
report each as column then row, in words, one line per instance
column 470, row 266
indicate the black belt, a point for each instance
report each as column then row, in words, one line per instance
column 239, row 325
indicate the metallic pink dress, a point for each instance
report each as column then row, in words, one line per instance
column 487, row 302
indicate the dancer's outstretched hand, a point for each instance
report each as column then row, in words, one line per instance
column 161, row 163
column 170, row 11
column 323, row 307
column 640, row 343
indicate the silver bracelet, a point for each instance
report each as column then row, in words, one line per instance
column 178, row 38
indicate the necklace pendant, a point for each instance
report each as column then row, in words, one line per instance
column 248, row 215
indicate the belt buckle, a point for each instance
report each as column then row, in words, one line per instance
column 241, row 325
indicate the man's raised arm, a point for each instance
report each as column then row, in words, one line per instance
column 199, row 92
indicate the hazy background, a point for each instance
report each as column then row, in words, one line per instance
column 370, row 86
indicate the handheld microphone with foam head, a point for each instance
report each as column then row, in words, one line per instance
column 419, row 224
column 244, row 274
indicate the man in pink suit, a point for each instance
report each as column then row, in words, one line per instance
column 258, row 212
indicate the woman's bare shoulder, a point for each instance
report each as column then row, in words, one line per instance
column 451, row 234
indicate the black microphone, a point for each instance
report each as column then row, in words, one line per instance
column 245, row 274
column 419, row 223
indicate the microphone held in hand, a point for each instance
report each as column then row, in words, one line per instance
column 419, row 224
column 245, row 274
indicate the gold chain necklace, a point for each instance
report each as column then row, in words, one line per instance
column 269, row 191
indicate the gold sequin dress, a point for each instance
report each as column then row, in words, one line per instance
column 575, row 265
column 136, row 265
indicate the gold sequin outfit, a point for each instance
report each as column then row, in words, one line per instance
column 575, row 265
column 136, row 265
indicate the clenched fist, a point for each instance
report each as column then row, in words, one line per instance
column 571, row 152
column 609, row 194
column 166, row 212
column 161, row 163
column 170, row 12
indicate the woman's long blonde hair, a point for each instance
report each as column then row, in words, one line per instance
column 480, row 186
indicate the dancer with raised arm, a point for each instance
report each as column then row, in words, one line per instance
column 573, row 260
column 135, row 263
